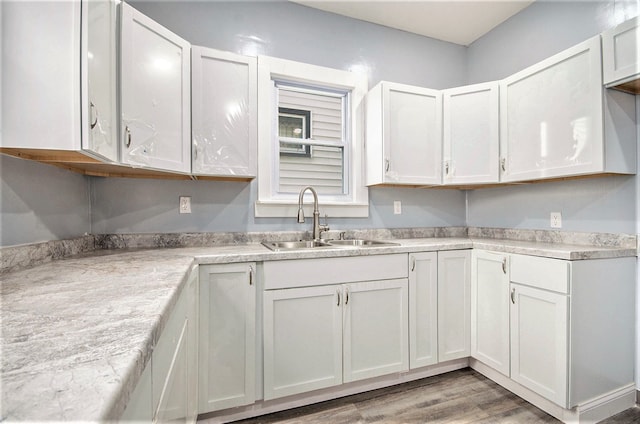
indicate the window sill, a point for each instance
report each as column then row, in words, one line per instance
column 285, row 209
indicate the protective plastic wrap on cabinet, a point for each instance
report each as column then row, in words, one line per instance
column 140, row 139
column 220, row 144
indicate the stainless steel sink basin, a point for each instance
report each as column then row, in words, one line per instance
column 295, row 245
column 313, row 244
column 362, row 243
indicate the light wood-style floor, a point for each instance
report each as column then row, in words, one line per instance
column 462, row 396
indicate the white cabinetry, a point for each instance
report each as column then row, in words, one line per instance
column 224, row 113
column 621, row 56
column 572, row 327
column 439, row 296
column 333, row 318
column 167, row 389
column 539, row 341
column 155, row 95
column 302, row 340
column 454, row 297
column 175, row 360
column 403, row 137
column 100, row 124
column 556, row 119
column 227, row 336
column 490, row 309
column 423, row 309
column 140, row 406
column 376, row 326
column 45, row 105
column 471, row 134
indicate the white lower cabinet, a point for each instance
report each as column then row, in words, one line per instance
column 559, row 329
column 376, row 329
column 167, row 388
column 423, row 309
column 324, row 335
column 226, row 376
column 439, row 296
column 490, row 309
column 454, row 297
column 539, row 341
column 309, row 333
column 174, row 362
column 302, row 340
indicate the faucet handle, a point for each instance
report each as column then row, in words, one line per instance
column 325, row 226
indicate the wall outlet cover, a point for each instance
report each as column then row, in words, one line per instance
column 397, row 207
column 185, row 204
column 556, row 220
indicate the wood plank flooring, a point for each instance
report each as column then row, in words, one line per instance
column 462, row 396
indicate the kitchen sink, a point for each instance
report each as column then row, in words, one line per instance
column 295, row 245
column 361, row 243
column 313, row 244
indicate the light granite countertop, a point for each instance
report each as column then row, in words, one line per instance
column 77, row 332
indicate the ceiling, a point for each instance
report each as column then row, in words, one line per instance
column 457, row 21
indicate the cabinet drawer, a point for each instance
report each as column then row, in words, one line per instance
column 544, row 273
column 323, row 271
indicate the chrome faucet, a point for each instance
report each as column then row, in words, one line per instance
column 317, row 228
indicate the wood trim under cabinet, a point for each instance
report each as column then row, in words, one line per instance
column 81, row 163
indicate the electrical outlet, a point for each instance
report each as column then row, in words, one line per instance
column 556, row 220
column 397, row 207
column 185, row 204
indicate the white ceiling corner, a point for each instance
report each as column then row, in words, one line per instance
column 456, row 21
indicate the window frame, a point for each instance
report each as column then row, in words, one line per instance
column 355, row 202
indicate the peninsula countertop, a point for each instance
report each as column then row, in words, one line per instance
column 78, row 332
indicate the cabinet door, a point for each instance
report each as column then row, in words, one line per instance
column 412, row 134
column 223, row 113
column 471, row 134
column 302, row 340
column 100, row 132
column 539, row 334
column 490, row 309
column 376, row 329
column 41, row 89
column 551, row 116
column 454, row 281
column 621, row 55
column 174, row 361
column 423, row 309
column 227, row 336
column 155, row 95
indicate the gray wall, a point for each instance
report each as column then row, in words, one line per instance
column 539, row 31
column 40, row 202
column 290, row 31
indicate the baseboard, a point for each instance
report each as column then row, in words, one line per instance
column 589, row 412
column 262, row 407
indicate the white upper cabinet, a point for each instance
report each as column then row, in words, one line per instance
column 621, row 56
column 45, row 100
column 557, row 121
column 403, row 138
column 41, row 89
column 99, row 125
column 155, row 95
column 471, row 134
column 224, row 113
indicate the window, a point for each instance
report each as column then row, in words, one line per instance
column 310, row 134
